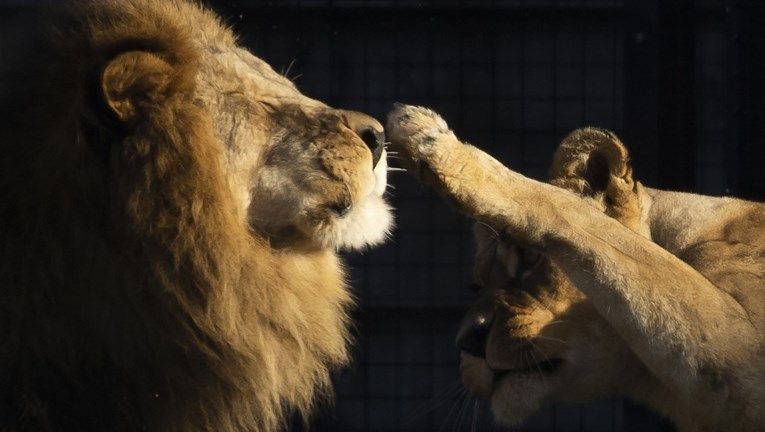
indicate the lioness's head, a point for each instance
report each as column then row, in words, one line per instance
column 531, row 337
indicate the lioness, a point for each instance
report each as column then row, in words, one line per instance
column 593, row 285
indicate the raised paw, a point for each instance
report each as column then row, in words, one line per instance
column 429, row 150
column 418, row 132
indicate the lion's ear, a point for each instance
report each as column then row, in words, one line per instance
column 594, row 162
column 134, row 81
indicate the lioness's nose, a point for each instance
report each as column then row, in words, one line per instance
column 369, row 130
column 474, row 331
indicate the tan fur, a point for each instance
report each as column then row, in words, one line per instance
column 169, row 227
column 653, row 295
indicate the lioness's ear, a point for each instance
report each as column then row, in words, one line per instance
column 594, row 162
column 133, row 81
column 587, row 159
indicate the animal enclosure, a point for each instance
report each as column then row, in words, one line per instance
column 682, row 83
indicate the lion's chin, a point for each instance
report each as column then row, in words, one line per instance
column 366, row 224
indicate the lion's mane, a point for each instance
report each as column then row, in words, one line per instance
column 132, row 294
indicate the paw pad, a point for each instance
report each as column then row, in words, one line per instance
column 414, row 126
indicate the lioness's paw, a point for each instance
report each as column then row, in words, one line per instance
column 417, row 130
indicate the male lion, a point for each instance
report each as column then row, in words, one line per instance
column 594, row 285
column 170, row 218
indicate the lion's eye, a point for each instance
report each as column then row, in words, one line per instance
column 340, row 209
column 269, row 107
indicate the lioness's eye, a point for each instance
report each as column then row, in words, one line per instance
column 527, row 260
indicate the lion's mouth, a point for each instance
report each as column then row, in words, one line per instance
column 543, row 368
column 340, row 209
column 343, row 208
column 380, row 172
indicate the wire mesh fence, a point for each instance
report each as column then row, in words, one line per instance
column 512, row 77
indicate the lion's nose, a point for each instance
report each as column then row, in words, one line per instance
column 473, row 333
column 375, row 140
column 369, row 130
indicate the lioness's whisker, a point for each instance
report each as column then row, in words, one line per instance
column 461, row 414
column 552, row 339
column 556, row 322
column 536, row 363
column 460, row 397
column 474, row 422
column 438, row 399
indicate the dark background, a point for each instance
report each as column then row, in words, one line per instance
column 680, row 81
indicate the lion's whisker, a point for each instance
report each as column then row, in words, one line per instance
column 491, row 228
column 286, row 71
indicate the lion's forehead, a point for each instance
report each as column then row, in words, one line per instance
column 233, row 70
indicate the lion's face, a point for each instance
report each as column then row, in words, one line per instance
column 532, row 337
column 308, row 175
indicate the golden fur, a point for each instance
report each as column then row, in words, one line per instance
column 170, row 218
column 594, row 286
